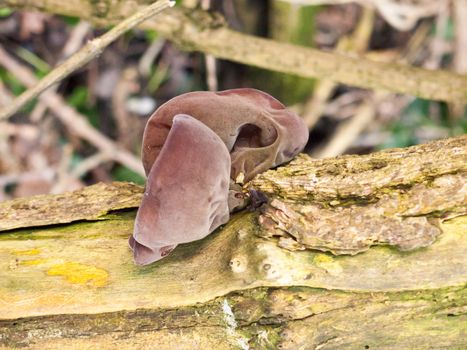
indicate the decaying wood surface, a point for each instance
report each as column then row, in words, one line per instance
column 350, row 252
column 353, row 202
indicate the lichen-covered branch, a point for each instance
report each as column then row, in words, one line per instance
column 74, row 285
column 201, row 31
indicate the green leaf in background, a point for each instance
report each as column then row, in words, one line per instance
column 72, row 21
column 79, row 100
column 78, row 97
column 400, row 137
column 403, row 130
column 151, row 35
column 5, row 11
column 122, row 173
column 422, row 118
column 463, row 124
column 448, row 30
column 13, row 84
column 41, row 66
column 159, row 75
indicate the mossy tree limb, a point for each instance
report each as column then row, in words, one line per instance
column 197, row 30
column 75, row 285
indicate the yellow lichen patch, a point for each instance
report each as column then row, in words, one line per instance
column 327, row 263
column 322, row 258
column 34, row 251
column 77, row 273
column 32, row 262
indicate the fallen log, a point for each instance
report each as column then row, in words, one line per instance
column 350, row 252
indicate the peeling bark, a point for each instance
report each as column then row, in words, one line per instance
column 92, row 203
column 395, row 197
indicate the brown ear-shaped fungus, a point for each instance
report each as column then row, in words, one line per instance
column 186, row 192
column 257, row 129
column 186, row 146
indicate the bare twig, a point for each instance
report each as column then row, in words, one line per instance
column 357, row 43
column 74, row 121
column 438, row 43
column 67, row 177
column 344, row 106
column 75, row 40
column 27, row 131
column 316, row 104
column 402, row 15
column 211, row 69
column 211, row 73
column 349, row 130
column 90, row 163
column 127, row 124
column 63, row 177
column 5, row 96
column 46, row 174
column 460, row 17
column 91, row 50
column 459, row 11
column 146, row 60
column 8, row 163
column 73, row 44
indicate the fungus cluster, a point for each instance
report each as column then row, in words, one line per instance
column 193, row 146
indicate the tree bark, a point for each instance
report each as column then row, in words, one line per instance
column 197, row 30
column 348, row 252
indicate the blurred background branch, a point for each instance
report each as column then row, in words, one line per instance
column 196, row 29
column 89, row 51
column 72, row 119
